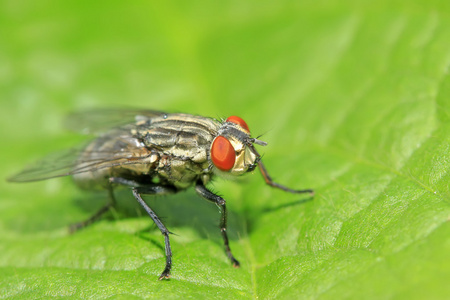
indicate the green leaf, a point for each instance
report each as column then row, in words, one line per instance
column 352, row 97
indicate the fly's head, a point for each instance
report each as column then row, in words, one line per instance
column 232, row 152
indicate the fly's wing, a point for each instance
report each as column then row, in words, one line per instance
column 72, row 161
column 53, row 165
column 68, row 162
column 102, row 120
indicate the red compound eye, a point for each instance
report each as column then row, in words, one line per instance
column 222, row 153
column 238, row 121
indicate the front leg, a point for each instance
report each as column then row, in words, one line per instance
column 220, row 202
column 270, row 182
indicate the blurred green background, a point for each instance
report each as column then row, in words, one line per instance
column 352, row 97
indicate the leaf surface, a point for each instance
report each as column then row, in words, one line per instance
column 353, row 99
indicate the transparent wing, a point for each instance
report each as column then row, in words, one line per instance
column 101, row 120
column 68, row 162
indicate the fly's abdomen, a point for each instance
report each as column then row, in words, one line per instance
column 116, row 154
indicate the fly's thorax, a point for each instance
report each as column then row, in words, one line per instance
column 179, row 135
column 231, row 152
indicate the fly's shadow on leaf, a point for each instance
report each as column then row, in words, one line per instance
column 157, row 244
column 250, row 220
column 286, row 205
column 126, row 206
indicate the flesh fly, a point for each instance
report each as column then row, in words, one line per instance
column 155, row 153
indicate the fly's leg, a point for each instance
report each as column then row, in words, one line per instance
column 270, row 182
column 220, row 202
column 139, row 189
column 267, row 177
column 157, row 190
column 112, row 202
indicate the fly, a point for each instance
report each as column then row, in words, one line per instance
column 155, row 153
